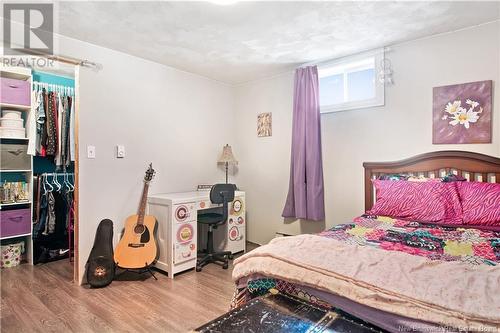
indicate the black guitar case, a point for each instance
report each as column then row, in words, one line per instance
column 101, row 265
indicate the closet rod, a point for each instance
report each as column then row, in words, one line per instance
column 67, row 60
column 53, row 85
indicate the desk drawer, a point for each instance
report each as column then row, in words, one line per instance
column 15, row 222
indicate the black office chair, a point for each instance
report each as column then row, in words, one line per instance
column 219, row 194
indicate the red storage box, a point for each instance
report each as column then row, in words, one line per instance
column 15, row 91
column 15, row 222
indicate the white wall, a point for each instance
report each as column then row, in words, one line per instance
column 162, row 115
column 400, row 129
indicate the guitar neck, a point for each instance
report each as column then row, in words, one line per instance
column 142, row 205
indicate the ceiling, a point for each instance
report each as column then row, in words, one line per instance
column 251, row 40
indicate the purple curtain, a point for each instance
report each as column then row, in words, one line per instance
column 305, row 198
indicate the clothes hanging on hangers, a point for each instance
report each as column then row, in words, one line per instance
column 44, row 134
column 39, row 227
column 66, row 137
column 51, row 135
column 72, row 130
column 50, row 127
column 31, row 124
column 50, row 225
column 60, row 111
column 64, row 131
column 54, row 229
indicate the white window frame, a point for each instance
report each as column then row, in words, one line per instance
column 346, row 65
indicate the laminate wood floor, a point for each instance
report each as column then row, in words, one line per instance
column 43, row 299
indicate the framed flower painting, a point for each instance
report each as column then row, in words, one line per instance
column 462, row 113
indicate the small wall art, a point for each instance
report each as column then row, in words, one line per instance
column 265, row 124
column 462, row 113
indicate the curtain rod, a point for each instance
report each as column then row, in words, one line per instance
column 326, row 61
column 67, row 60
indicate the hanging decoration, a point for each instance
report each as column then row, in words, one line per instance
column 385, row 73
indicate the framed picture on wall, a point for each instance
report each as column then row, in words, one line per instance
column 462, row 113
column 265, row 124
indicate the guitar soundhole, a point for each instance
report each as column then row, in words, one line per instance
column 139, row 228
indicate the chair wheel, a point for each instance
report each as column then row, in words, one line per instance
column 198, row 269
column 225, row 266
column 230, row 256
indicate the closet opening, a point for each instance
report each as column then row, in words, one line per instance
column 39, row 167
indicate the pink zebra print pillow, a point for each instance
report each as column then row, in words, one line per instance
column 480, row 203
column 436, row 202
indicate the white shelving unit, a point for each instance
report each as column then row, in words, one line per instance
column 20, row 74
column 15, row 106
column 14, row 139
column 15, row 204
column 16, row 236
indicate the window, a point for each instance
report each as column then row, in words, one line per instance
column 351, row 83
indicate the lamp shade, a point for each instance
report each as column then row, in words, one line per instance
column 227, row 155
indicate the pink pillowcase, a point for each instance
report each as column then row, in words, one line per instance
column 480, row 203
column 436, row 202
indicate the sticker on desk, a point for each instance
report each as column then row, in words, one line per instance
column 237, row 206
column 181, row 213
column 184, row 252
column 185, row 233
column 233, row 233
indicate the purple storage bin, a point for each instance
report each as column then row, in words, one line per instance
column 15, row 222
column 15, row 91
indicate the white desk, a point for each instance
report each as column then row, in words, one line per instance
column 178, row 230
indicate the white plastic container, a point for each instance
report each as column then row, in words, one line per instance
column 12, row 123
column 12, row 132
column 11, row 114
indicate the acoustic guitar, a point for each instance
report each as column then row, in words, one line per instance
column 138, row 247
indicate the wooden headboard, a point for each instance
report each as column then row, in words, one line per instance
column 472, row 166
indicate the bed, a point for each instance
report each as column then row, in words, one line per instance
column 399, row 274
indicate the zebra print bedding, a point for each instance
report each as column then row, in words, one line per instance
column 480, row 203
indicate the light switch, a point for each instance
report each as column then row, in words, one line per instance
column 90, row 151
column 120, row 151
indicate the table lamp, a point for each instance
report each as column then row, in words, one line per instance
column 227, row 157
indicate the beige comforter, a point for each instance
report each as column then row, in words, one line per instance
column 447, row 293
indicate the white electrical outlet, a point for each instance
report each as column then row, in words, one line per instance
column 120, row 151
column 90, row 151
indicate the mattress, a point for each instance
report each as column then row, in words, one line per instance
column 471, row 249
